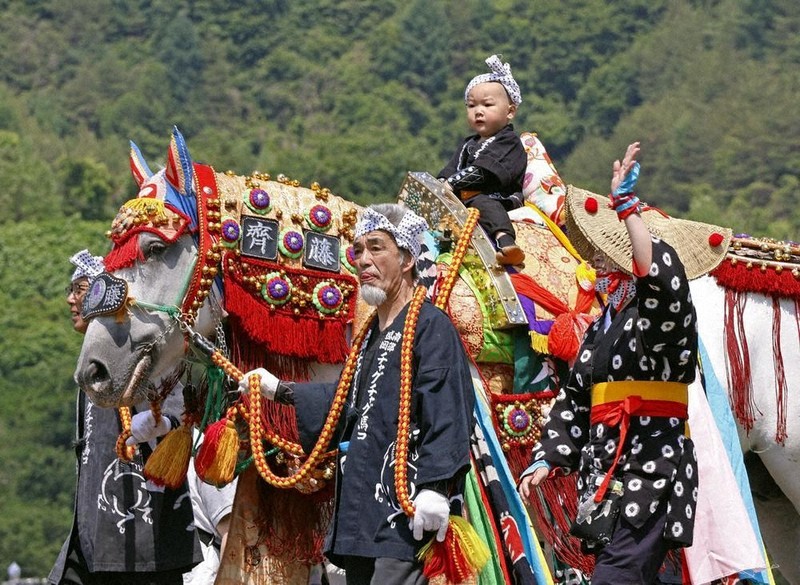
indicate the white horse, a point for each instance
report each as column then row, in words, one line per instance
column 123, row 359
column 771, row 333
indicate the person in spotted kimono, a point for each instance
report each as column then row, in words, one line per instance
column 620, row 419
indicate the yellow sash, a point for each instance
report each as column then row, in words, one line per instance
column 606, row 392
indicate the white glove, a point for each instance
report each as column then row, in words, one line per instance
column 431, row 512
column 144, row 428
column 269, row 383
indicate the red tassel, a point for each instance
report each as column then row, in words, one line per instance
column 555, row 508
column 123, row 255
column 781, row 387
column 459, row 558
column 248, row 355
column 215, row 462
column 740, row 379
column 566, row 334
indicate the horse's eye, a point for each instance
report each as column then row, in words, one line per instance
column 154, row 249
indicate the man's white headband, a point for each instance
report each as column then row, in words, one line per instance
column 87, row 266
column 408, row 234
column 501, row 73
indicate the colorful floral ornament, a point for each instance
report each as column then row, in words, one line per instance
column 231, row 232
column 277, row 289
column 291, row 243
column 258, row 201
column 319, row 218
column 348, row 258
column 517, row 422
column 327, row 297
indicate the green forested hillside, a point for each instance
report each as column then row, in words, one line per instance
column 352, row 94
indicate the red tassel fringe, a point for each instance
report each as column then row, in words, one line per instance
column 555, row 509
column 293, row 525
column 769, row 282
column 781, row 387
column 247, row 355
column 124, row 255
column 302, row 337
column 740, row 378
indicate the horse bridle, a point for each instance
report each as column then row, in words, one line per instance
column 109, row 295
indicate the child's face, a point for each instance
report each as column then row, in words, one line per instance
column 489, row 109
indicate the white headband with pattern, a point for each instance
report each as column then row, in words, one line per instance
column 501, row 73
column 408, row 234
column 87, row 266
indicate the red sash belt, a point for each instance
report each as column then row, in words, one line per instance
column 613, row 404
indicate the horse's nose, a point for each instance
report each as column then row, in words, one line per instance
column 94, row 379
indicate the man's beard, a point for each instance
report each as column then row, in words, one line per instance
column 373, row 295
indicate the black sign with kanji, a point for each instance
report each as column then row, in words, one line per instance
column 260, row 237
column 322, row 251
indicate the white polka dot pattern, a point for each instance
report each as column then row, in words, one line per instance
column 658, row 462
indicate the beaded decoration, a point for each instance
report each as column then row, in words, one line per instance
column 291, row 243
column 124, row 451
column 319, row 218
column 231, row 232
column 519, row 418
column 327, row 297
column 348, row 258
column 258, row 201
column 277, row 289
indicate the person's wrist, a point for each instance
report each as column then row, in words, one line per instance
column 625, row 204
column 174, row 423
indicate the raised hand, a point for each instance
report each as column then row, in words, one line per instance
column 620, row 171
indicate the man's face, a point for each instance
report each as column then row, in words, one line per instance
column 489, row 109
column 381, row 266
column 75, row 293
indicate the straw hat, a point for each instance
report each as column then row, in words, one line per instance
column 592, row 225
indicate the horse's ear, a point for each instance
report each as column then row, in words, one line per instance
column 139, row 169
column 179, row 172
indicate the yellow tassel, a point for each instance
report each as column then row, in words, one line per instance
column 585, row 275
column 473, row 548
column 169, row 462
column 539, row 342
column 460, row 557
column 220, row 470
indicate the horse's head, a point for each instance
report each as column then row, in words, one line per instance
column 157, row 280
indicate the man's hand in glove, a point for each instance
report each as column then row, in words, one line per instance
column 269, row 383
column 432, row 512
column 144, row 428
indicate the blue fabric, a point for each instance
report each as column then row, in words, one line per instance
column 721, row 410
column 534, row 467
column 629, row 182
column 186, row 203
column 515, row 504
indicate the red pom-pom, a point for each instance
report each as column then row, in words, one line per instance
column 564, row 339
column 715, row 239
column 590, row 205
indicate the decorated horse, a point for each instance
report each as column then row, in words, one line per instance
column 261, row 267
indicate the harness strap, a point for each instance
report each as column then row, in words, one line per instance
column 613, row 404
column 207, row 200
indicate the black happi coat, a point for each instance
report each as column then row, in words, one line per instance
column 368, row 520
column 502, row 155
column 654, row 337
column 122, row 522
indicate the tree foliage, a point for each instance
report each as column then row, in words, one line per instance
column 350, row 94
